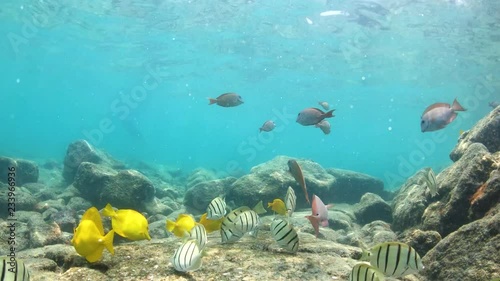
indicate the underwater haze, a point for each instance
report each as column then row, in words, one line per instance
column 134, row 77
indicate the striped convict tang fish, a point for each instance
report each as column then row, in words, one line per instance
column 290, row 201
column 216, row 209
column 187, row 257
column 13, row 270
column 394, row 259
column 199, row 233
column 247, row 221
column 227, row 232
column 365, row 272
column 284, row 234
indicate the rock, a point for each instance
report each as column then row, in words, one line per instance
column 126, row 189
column 349, row 186
column 20, row 234
column 166, row 190
column 81, row 151
column 371, row 208
column 409, row 203
column 458, row 184
column 78, row 203
column 199, row 196
column 486, row 132
column 421, row 241
column 377, row 232
column 42, row 233
column 486, row 196
column 23, row 200
column 270, row 180
column 198, row 176
column 469, row 253
column 25, row 171
column 65, row 219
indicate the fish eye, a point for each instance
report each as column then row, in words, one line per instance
column 422, row 122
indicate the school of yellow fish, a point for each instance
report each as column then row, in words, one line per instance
column 390, row 259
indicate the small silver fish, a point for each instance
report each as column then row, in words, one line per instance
column 199, row 234
column 187, row 257
column 268, row 126
column 438, row 115
column 284, row 234
column 13, row 270
column 324, row 104
column 324, row 126
column 394, row 259
column 365, row 272
column 216, row 209
column 227, row 100
column 290, row 201
column 312, row 116
column 247, row 221
column 227, row 232
column 430, row 181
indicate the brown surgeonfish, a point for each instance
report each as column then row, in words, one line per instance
column 296, row 172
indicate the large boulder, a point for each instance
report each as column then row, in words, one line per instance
column 372, row 207
column 410, row 202
column 470, row 253
column 81, row 151
column 458, row 185
column 25, row 171
column 199, row 196
column 270, row 180
column 198, row 176
column 349, row 186
column 122, row 189
column 486, row 131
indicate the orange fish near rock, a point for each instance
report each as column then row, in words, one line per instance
column 296, row 172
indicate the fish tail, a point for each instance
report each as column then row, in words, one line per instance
column 260, row 130
column 170, row 225
column 329, row 114
column 108, row 211
column 456, row 106
column 212, row 101
column 108, row 241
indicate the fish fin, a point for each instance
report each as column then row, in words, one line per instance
column 260, row 130
column 108, row 241
column 452, row 117
column 329, row 206
column 436, row 105
column 315, row 223
column 170, row 225
column 212, row 101
column 456, row 106
column 259, row 208
column 329, row 114
column 108, row 211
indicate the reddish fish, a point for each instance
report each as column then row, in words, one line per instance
column 296, row 172
column 438, row 115
column 319, row 214
column 227, row 100
column 312, row 116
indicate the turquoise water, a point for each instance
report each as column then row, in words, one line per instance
column 69, row 69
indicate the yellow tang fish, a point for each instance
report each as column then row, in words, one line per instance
column 128, row 223
column 210, row 225
column 182, row 226
column 89, row 240
column 278, row 206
